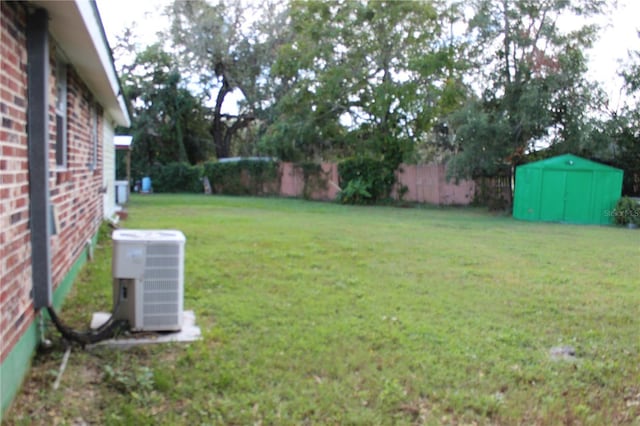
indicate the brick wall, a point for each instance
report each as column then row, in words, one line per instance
column 16, row 311
column 75, row 191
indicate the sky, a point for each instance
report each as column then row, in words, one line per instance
column 618, row 37
column 611, row 50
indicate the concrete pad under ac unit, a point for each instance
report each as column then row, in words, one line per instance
column 190, row 332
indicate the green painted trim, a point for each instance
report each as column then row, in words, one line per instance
column 67, row 282
column 16, row 365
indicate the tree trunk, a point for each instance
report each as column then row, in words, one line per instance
column 218, row 127
column 182, row 150
column 221, row 132
column 240, row 123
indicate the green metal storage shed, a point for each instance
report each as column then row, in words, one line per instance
column 568, row 189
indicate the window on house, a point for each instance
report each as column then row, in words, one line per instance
column 61, row 113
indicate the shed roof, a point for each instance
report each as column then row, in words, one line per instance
column 77, row 28
column 569, row 162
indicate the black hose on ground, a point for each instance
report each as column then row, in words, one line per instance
column 109, row 329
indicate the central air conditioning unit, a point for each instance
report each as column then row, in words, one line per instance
column 148, row 278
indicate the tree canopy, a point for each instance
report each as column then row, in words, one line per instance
column 169, row 123
column 482, row 85
column 229, row 54
column 366, row 76
column 532, row 78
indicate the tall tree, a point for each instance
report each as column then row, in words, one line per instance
column 231, row 55
column 622, row 130
column 169, row 123
column 532, row 77
column 362, row 76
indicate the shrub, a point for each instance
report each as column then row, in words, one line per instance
column 176, row 177
column 627, row 211
column 244, row 177
column 369, row 176
column 356, row 192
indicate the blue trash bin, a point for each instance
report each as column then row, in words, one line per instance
column 146, row 184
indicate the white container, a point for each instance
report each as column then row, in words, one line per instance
column 122, row 192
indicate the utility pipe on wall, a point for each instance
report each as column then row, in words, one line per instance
column 38, row 148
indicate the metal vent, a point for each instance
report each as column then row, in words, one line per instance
column 154, row 263
column 161, row 286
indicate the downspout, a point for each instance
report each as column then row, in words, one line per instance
column 38, row 152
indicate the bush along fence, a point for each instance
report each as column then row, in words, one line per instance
column 353, row 181
column 627, row 212
column 365, row 180
column 244, row 177
column 176, row 177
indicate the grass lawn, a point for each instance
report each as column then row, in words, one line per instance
column 318, row 313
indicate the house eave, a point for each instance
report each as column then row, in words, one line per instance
column 77, row 28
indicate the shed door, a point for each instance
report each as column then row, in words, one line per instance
column 552, row 196
column 577, row 203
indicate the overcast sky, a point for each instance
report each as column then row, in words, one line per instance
column 619, row 36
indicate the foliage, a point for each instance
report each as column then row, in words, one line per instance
column 121, row 164
column 623, row 129
column 619, row 138
column 491, row 132
column 320, row 313
column 327, row 80
column 628, row 159
column 627, row 211
column 534, row 92
column 229, row 55
column 129, row 382
column 356, row 192
column 177, row 177
column 361, row 77
column 104, row 232
column 365, row 180
column 168, row 122
column 244, row 177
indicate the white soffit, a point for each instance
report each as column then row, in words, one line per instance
column 76, row 27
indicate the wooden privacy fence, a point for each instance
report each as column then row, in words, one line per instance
column 294, row 182
column 425, row 184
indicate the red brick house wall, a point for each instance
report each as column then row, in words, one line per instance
column 76, row 191
column 16, row 310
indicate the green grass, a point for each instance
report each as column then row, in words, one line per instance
column 318, row 313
